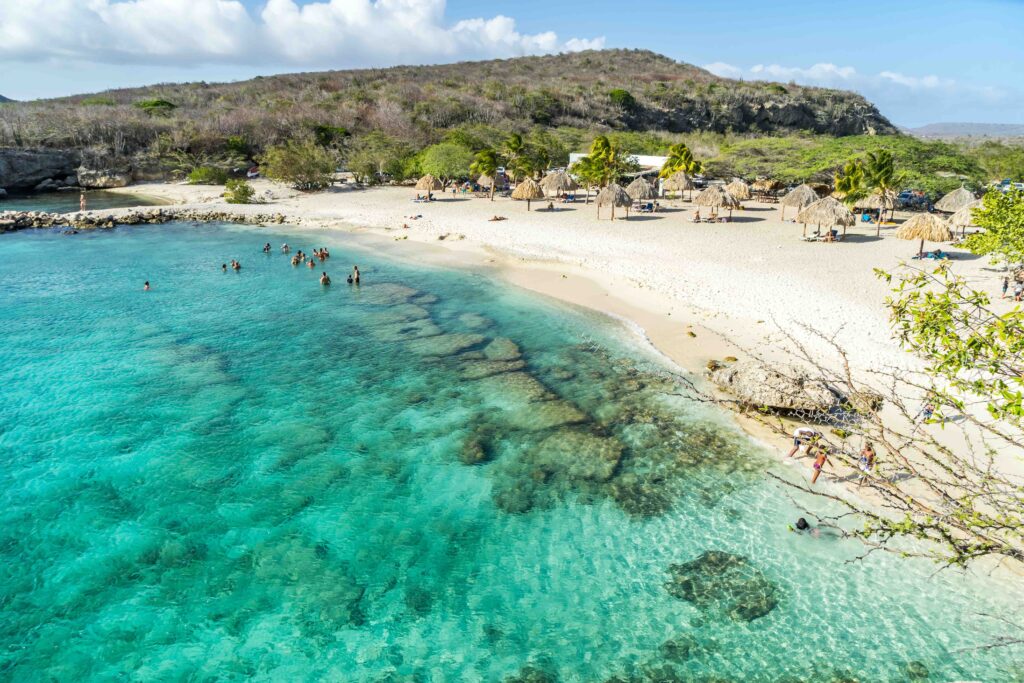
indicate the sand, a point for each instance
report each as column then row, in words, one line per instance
column 738, row 286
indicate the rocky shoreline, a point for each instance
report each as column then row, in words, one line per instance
column 24, row 220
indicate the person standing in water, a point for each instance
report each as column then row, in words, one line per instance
column 820, row 460
column 145, row 286
column 325, row 280
column 355, row 274
column 81, row 202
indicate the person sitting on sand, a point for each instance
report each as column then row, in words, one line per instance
column 551, row 206
column 324, row 280
column 695, row 217
column 355, row 274
column 820, row 460
column 145, row 286
column 405, row 226
column 801, row 437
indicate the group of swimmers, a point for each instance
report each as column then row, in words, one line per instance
column 235, row 266
column 321, row 254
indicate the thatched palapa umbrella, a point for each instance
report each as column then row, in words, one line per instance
column 717, row 198
column 880, row 202
column 613, row 195
column 557, row 182
column 799, row 198
column 955, row 200
column 430, row 184
column 738, row 189
column 640, row 190
column 679, row 181
column 925, row 226
column 829, row 212
column 485, row 181
column 965, row 216
column 528, row 190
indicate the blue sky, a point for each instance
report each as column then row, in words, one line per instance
column 920, row 62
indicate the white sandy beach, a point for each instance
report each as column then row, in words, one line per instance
column 736, row 285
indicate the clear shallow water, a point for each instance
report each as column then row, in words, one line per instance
column 247, row 476
column 68, row 202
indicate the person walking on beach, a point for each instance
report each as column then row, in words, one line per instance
column 866, row 463
column 820, row 460
column 324, row 280
column 1006, row 285
column 355, row 274
column 802, row 436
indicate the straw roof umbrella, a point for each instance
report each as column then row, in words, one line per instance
column 429, row 183
column 485, row 181
column 965, row 216
column 925, row 226
column 829, row 212
column 640, row 190
column 799, row 197
column 955, row 200
column 679, row 181
column 738, row 189
column 528, row 190
column 717, row 198
column 557, row 182
column 615, row 196
column 880, row 202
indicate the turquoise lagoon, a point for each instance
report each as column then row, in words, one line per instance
column 430, row 477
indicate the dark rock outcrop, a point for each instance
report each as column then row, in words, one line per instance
column 25, row 169
column 104, row 177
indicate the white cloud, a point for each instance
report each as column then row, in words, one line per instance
column 317, row 34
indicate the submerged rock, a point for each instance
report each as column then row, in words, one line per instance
column 386, row 293
column 478, row 369
column 502, row 349
column 531, row 674
column 756, row 384
column 726, row 582
column 916, row 671
column 407, row 330
column 478, row 447
column 475, row 322
column 445, row 344
column 577, row 454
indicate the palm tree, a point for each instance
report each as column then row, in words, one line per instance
column 680, row 158
column 514, row 149
column 881, row 176
column 486, row 162
column 850, row 183
column 589, row 171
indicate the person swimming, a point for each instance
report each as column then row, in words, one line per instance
column 145, row 286
column 295, row 260
column 325, row 280
column 235, row 265
column 224, row 267
column 285, row 248
column 802, row 525
column 266, row 248
column 311, row 263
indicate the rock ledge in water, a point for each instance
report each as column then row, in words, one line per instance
column 756, row 384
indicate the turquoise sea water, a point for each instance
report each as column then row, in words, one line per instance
column 430, row 477
column 68, row 202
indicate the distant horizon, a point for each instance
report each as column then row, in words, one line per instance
column 50, row 49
